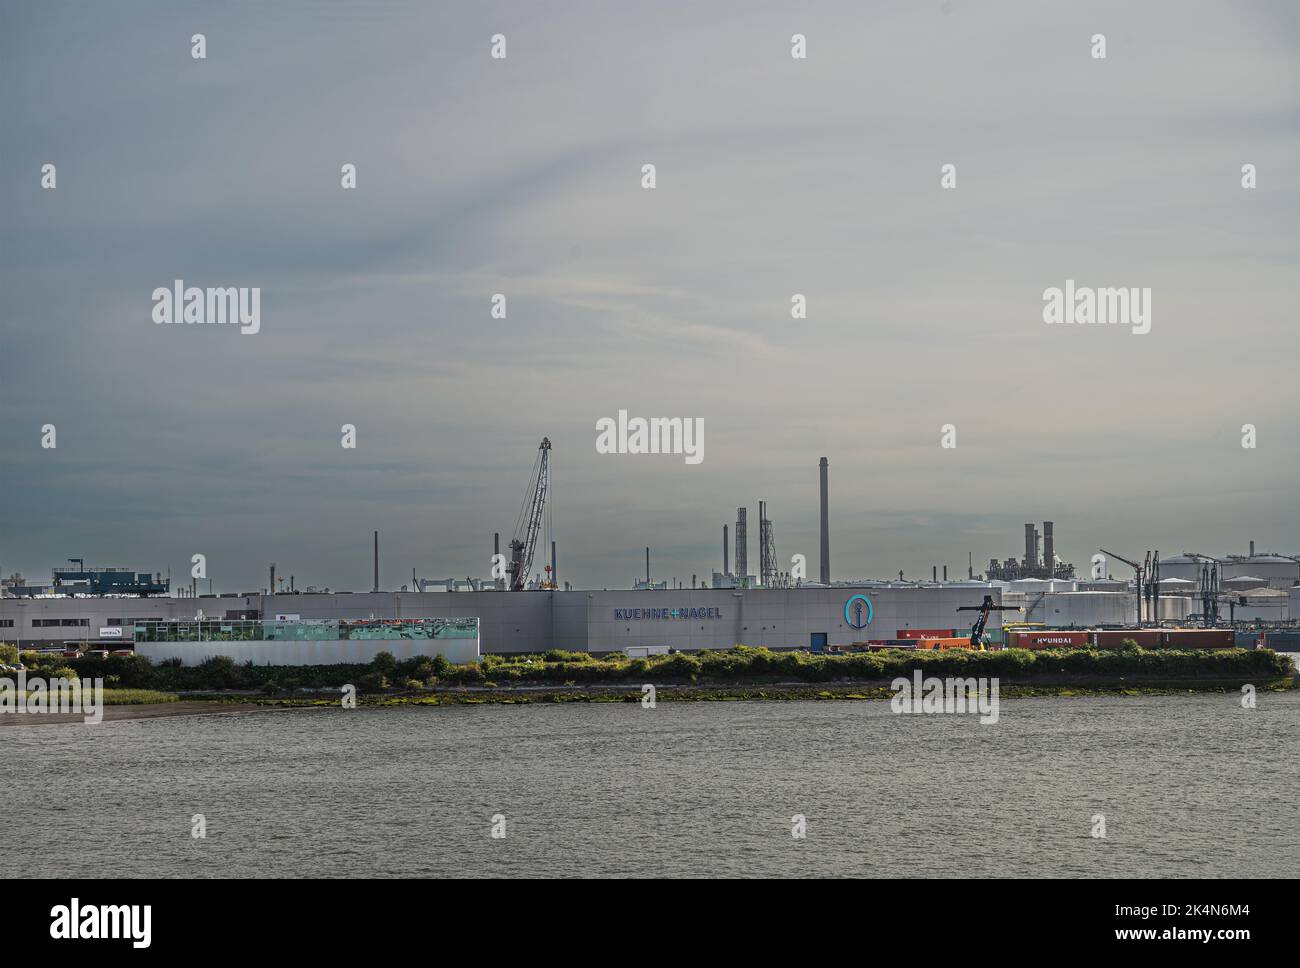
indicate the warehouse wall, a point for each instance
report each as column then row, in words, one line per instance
column 316, row 652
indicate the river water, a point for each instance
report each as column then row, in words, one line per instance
column 1188, row 785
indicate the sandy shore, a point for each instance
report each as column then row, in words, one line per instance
column 114, row 714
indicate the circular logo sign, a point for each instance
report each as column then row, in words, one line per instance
column 857, row 612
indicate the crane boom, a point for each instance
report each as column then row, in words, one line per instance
column 530, row 521
column 977, row 630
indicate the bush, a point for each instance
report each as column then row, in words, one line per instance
column 373, row 681
column 8, row 654
column 385, row 663
column 560, row 655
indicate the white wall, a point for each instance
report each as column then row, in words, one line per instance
column 297, row 652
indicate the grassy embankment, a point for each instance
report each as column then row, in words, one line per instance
column 734, row 674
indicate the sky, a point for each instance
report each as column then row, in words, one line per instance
column 523, row 176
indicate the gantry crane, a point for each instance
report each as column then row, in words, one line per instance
column 529, row 524
column 977, row 630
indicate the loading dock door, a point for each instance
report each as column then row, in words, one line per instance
column 818, row 643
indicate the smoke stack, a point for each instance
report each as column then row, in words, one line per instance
column 945, row 572
column 273, row 578
column 826, row 526
column 934, row 574
column 1252, row 549
column 555, row 583
column 1049, row 550
column 647, row 566
column 376, row 561
column 726, row 556
column 1030, row 558
column 742, row 544
column 496, row 543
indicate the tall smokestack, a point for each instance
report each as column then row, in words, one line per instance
column 273, row 578
column 1049, row 550
column 826, row 527
column 1252, row 549
column 742, row 544
column 555, row 583
column 496, row 543
column 945, row 572
column 376, row 561
column 1031, row 559
column 934, row 574
column 647, row 566
column 726, row 556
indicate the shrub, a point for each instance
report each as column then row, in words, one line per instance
column 385, row 663
column 373, row 681
column 560, row 655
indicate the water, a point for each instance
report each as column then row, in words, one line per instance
column 1189, row 786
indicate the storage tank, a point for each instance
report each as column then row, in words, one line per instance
column 1182, row 566
column 1085, row 609
column 1278, row 571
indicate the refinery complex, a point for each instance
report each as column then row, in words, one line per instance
column 1036, row 600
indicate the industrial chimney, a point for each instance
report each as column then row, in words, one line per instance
column 376, row 561
column 742, row 542
column 826, row 528
column 1031, row 559
column 1049, row 550
column 726, row 555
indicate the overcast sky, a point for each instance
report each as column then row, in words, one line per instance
column 522, row 176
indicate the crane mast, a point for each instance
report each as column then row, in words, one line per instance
column 529, row 525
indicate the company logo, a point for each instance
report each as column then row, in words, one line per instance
column 857, row 612
column 71, row 922
column 648, row 614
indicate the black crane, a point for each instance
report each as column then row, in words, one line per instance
column 530, row 520
column 1139, row 582
column 977, row 630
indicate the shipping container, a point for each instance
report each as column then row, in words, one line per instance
column 1282, row 640
column 940, row 644
column 1199, row 638
column 925, row 633
column 1045, row 639
column 1113, row 638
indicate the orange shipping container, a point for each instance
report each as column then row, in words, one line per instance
column 939, row 645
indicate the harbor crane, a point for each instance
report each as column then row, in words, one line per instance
column 977, row 630
column 529, row 524
column 1139, row 582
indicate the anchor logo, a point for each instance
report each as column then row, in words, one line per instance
column 853, row 612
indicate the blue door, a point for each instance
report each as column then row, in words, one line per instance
column 818, row 641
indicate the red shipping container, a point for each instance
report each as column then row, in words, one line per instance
column 1019, row 639
column 1199, row 638
column 1111, row 638
column 925, row 633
